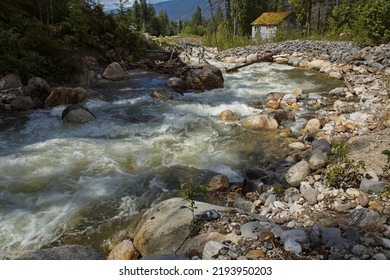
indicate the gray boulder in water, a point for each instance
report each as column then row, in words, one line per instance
column 204, row 77
column 77, row 114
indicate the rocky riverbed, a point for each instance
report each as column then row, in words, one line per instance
column 300, row 213
column 297, row 211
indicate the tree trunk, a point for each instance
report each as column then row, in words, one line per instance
column 214, row 25
column 40, row 10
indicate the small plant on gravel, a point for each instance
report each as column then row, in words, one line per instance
column 386, row 168
column 343, row 172
column 190, row 192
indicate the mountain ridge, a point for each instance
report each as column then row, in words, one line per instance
column 183, row 9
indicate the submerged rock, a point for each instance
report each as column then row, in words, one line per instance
column 77, row 114
column 161, row 95
column 177, row 84
column 260, row 122
column 228, row 116
column 204, row 77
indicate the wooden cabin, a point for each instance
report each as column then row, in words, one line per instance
column 266, row 25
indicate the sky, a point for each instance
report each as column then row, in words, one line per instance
column 113, row 4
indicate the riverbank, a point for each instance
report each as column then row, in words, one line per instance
column 281, row 217
column 311, row 219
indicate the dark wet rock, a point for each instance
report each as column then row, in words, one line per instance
column 204, row 77
column 282, row 116
column 68, row 252
column 254, row 174
column 208, row 215
column 329, row 233
column 321, row 145
column 38, row 88
column 352, row 234
column 314, row 235
column 308, row 138
column 366, row 219
column 77, row 114
column 337, row 242
column 177, row 84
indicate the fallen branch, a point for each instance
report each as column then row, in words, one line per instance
column 350, row 88
column 264, row 58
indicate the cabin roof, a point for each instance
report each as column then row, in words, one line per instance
column 271, row 18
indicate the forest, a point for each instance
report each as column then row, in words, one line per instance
column 46, row 38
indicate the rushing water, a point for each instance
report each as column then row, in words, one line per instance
column 69, row 183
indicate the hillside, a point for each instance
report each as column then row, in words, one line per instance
column 183, row 9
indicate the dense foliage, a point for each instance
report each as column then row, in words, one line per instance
column 46, row 37
column 364, row 21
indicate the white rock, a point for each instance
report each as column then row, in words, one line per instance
column 297, row 173
column 211, row 250
column 292, row 246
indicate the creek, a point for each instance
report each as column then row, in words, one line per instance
column 82, row 184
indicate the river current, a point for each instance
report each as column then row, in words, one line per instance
column 83, row 183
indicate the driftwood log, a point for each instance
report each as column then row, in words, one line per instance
column 265, row 58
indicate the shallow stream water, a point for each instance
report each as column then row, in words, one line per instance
column 68, row 183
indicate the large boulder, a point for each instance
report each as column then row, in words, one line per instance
column 38, row 88
column 114, row 72
column 204, row 77
column 77, row 114
column 10, row 81
column 260, row 122
column 164, row 228
column 65, row 96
